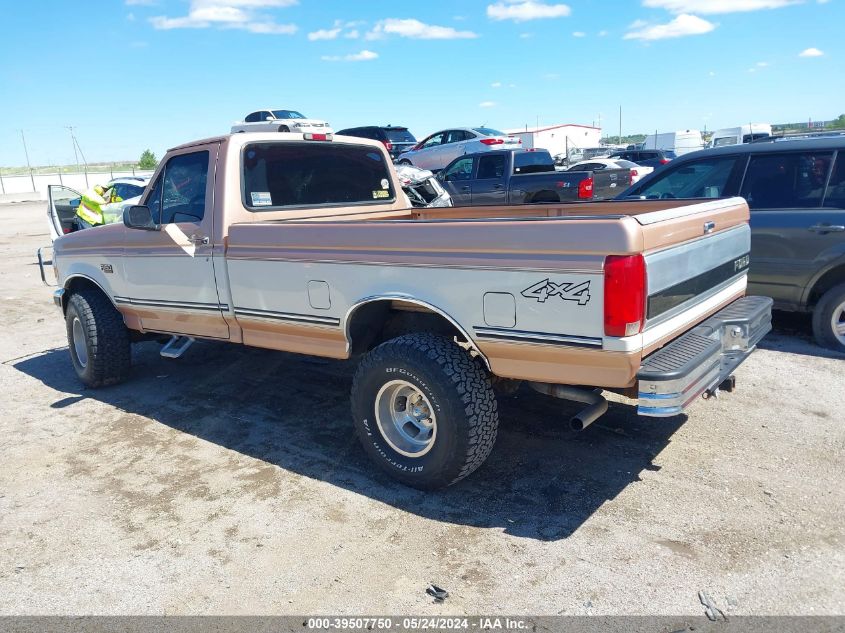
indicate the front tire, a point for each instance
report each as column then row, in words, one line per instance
column 829, row 319
column 406, row 162
column 98, row 340
column 284, row 128
column 424, row 410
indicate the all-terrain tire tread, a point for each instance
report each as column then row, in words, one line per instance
column 110, row 356
column 466, row 374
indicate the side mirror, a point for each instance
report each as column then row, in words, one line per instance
column 140, row 217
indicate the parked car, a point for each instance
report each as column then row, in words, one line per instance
column 304, row 245
column 646, row 157
column 281, row 121
column 636, row 172
column 422, row 188
column 515, row 176
column 396, row 139
column 441, row 148
column 61, row 214
column 796, row 191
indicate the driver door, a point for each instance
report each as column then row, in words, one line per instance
column 457, row 180
column 170, row 281
column 62, row 203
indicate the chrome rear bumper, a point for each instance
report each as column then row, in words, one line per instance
column 702, row 358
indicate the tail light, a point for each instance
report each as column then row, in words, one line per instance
column 634, row 174
column 314, row 136
column 663, row 161
column 624, row 295
column 492, row 141
column 585, row 188
column 388, row 145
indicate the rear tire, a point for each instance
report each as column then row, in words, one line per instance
column 424, row 410
column 829, row 319
column 98, row 340
column 284, row 128
column 406, row 162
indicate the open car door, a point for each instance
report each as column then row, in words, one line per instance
column 62, row 203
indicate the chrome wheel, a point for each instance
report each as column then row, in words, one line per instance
column 405, row 418
column 80, row 349
column 837, row 323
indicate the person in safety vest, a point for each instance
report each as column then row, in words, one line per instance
column 97, row 206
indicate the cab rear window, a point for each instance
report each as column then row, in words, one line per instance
column 313, row 173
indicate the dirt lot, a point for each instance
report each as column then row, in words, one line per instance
column 230, row 482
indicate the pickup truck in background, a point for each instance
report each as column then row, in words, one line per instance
column 515, row 176
column 304, row 244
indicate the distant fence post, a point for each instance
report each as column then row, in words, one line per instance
column 2, row 186
column 86, row 178
column 111, row 171
column 32, row 179
column 61, row 182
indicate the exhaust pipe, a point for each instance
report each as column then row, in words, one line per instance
column 597, row 405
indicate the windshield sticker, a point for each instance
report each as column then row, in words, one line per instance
column 385, row 184
column 261, row 199
column 381, row 194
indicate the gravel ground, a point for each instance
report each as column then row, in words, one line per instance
column 230, row 482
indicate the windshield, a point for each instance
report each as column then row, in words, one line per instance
column 488, row 131
column 627, row 164
column 307, row 174
column 399, row 135
column 288, row 114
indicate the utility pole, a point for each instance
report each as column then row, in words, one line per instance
column 620, row 125
column 26, row 153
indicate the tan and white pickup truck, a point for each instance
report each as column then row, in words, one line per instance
column 302, row 243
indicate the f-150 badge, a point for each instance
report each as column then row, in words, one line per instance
column 571, row 291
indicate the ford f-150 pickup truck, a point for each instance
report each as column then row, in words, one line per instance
column 523, row 176
column 302, row 243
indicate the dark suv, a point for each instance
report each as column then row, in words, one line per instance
column 396, row 139
column 646, row 157
column 796, row 191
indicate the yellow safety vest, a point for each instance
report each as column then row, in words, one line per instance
column 89, row 208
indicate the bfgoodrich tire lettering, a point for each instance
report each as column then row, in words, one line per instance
column 829, row 319
column 98, row 339
column 461, row 399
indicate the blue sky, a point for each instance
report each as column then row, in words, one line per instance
column 132, row 74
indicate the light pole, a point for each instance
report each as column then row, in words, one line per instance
column 26, row 153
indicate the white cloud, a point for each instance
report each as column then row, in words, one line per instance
column 711, row 74
column 526, row 36
column 130, row 17
column 711, row 7
column 363, row 56
column 681, row 26
column 524, row 10
column 323, row 34
column 487, row 104
column 811, row 52
column 352, row 35
column 416, row 30
column 762, row 64
column 602, row 33
column 140, row 2
column 579, row 34
column 227, row 14
column 496, row 84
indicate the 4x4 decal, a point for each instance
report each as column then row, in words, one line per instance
column 570, row 291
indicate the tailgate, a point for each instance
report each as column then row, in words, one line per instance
column 696, row 258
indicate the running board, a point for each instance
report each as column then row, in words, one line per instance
column 176, row 346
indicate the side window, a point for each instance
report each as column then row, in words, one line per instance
column 183, row 193
column 267, row 116
column 154, row 199
column 461, row 170
column 251, row 118
column 705, row 178
column 456, row 136
column 491, row 167
column 794, row 181
column 836, row 188
column 437, row 139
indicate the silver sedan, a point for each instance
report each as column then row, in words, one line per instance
column 441, row 148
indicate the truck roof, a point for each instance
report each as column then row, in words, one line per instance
column 272, row 136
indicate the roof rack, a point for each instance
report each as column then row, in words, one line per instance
column 799, row 135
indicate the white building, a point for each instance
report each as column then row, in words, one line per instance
column 558, row 138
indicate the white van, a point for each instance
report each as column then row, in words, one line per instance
column 741, row 134
column 681, row 142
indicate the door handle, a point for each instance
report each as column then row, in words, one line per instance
column 827, row 228
column 498, row 186
column 465, row 188
column 198, row 240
